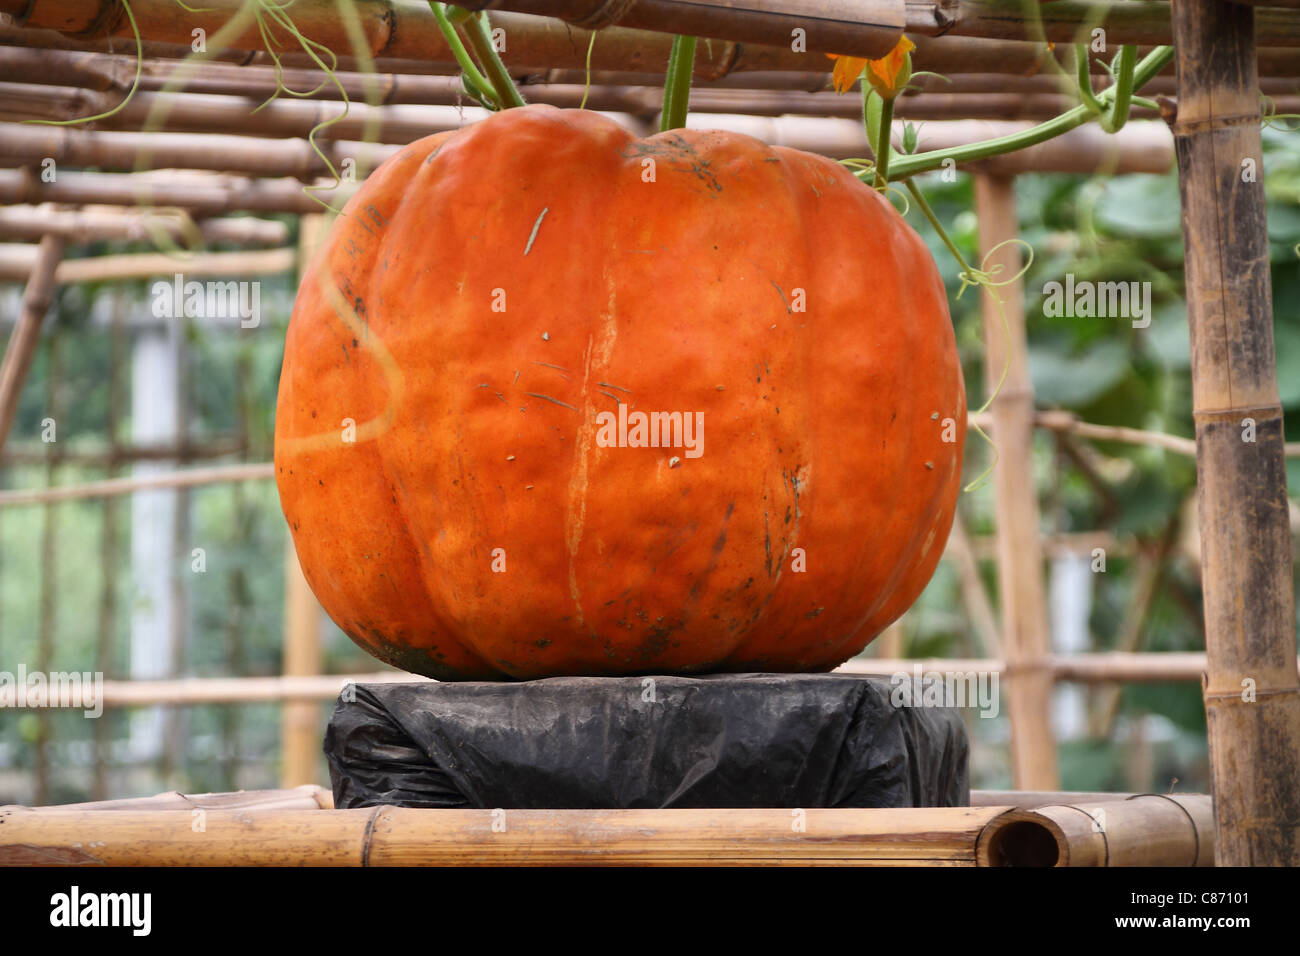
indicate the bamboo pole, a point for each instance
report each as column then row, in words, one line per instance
column 22, row 145
column 1144, row 830
column 189, row 478
column 1102, row 668
column 27, row 333
column 1020, row 559
column 392, row 836
column 1252, row 691
column 405, row 123
column 540, row 44
column 201, row 192
column 109, row 73
column 862, row 28
column 1071, row 21
column 152, row 265
column 1139, row 147
column 32, row 222
column 306, row 797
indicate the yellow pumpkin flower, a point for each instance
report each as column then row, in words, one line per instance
column 887, row 76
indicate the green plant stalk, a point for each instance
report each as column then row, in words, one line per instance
column 480, row 40
column 881, row 145
column 473, row 78
column 1113, row 120
column 1081, row 66
column 677, row 84
column 938, row 226
column 908, row 166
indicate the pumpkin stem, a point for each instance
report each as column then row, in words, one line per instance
column 677, row 85
column 882, row 145
column 480, row 40
column 476, row 84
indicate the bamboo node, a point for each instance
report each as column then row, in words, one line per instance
column 1187, row 128
column 605, row 15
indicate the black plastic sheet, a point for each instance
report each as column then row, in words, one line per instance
column 735, row 740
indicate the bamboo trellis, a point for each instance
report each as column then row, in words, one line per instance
column 205, row 154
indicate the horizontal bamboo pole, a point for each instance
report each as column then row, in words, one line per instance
column 1029, row 799
column 113, row 487
column 307, row 797
column 109, row 73
column 22, row 145
column 1139, row 147
column 31, row 222
column 405, row 123
column 201, row 192
column 391, row 836
column 1101, row 668
column 540, row 44
column 861, row 27
column 1067, row 21
column 1144, row 830
column 15, row 261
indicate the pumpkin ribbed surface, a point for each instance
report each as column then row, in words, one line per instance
column 463, row 509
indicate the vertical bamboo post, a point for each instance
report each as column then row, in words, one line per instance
column 1252, row 693
column 22, row 343
column 300, row 728
column 1027, row 680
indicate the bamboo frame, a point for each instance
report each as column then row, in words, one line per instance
column 405, row 123
column 33, row 222
column 41, row 278
column 1095, row 668
column 869, row 28
column 1020, row 558
column 202, row 193
column 16, row 260
column 115, row 74
column 1140, row 147
column 1252, row 688
column 1142, row 830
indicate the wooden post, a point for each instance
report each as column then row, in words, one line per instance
column 1252, row 693
column 1027, row 681
column 22, row 344
column 300, row 723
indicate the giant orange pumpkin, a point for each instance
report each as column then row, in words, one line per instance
column 463, row 509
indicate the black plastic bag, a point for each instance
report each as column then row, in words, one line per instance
column 738, row 740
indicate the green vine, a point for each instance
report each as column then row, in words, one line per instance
column 905, row 167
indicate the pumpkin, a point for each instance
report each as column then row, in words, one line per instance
column 557, row 400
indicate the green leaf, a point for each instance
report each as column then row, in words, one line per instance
column 1070, row 381
column 1140, row 205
